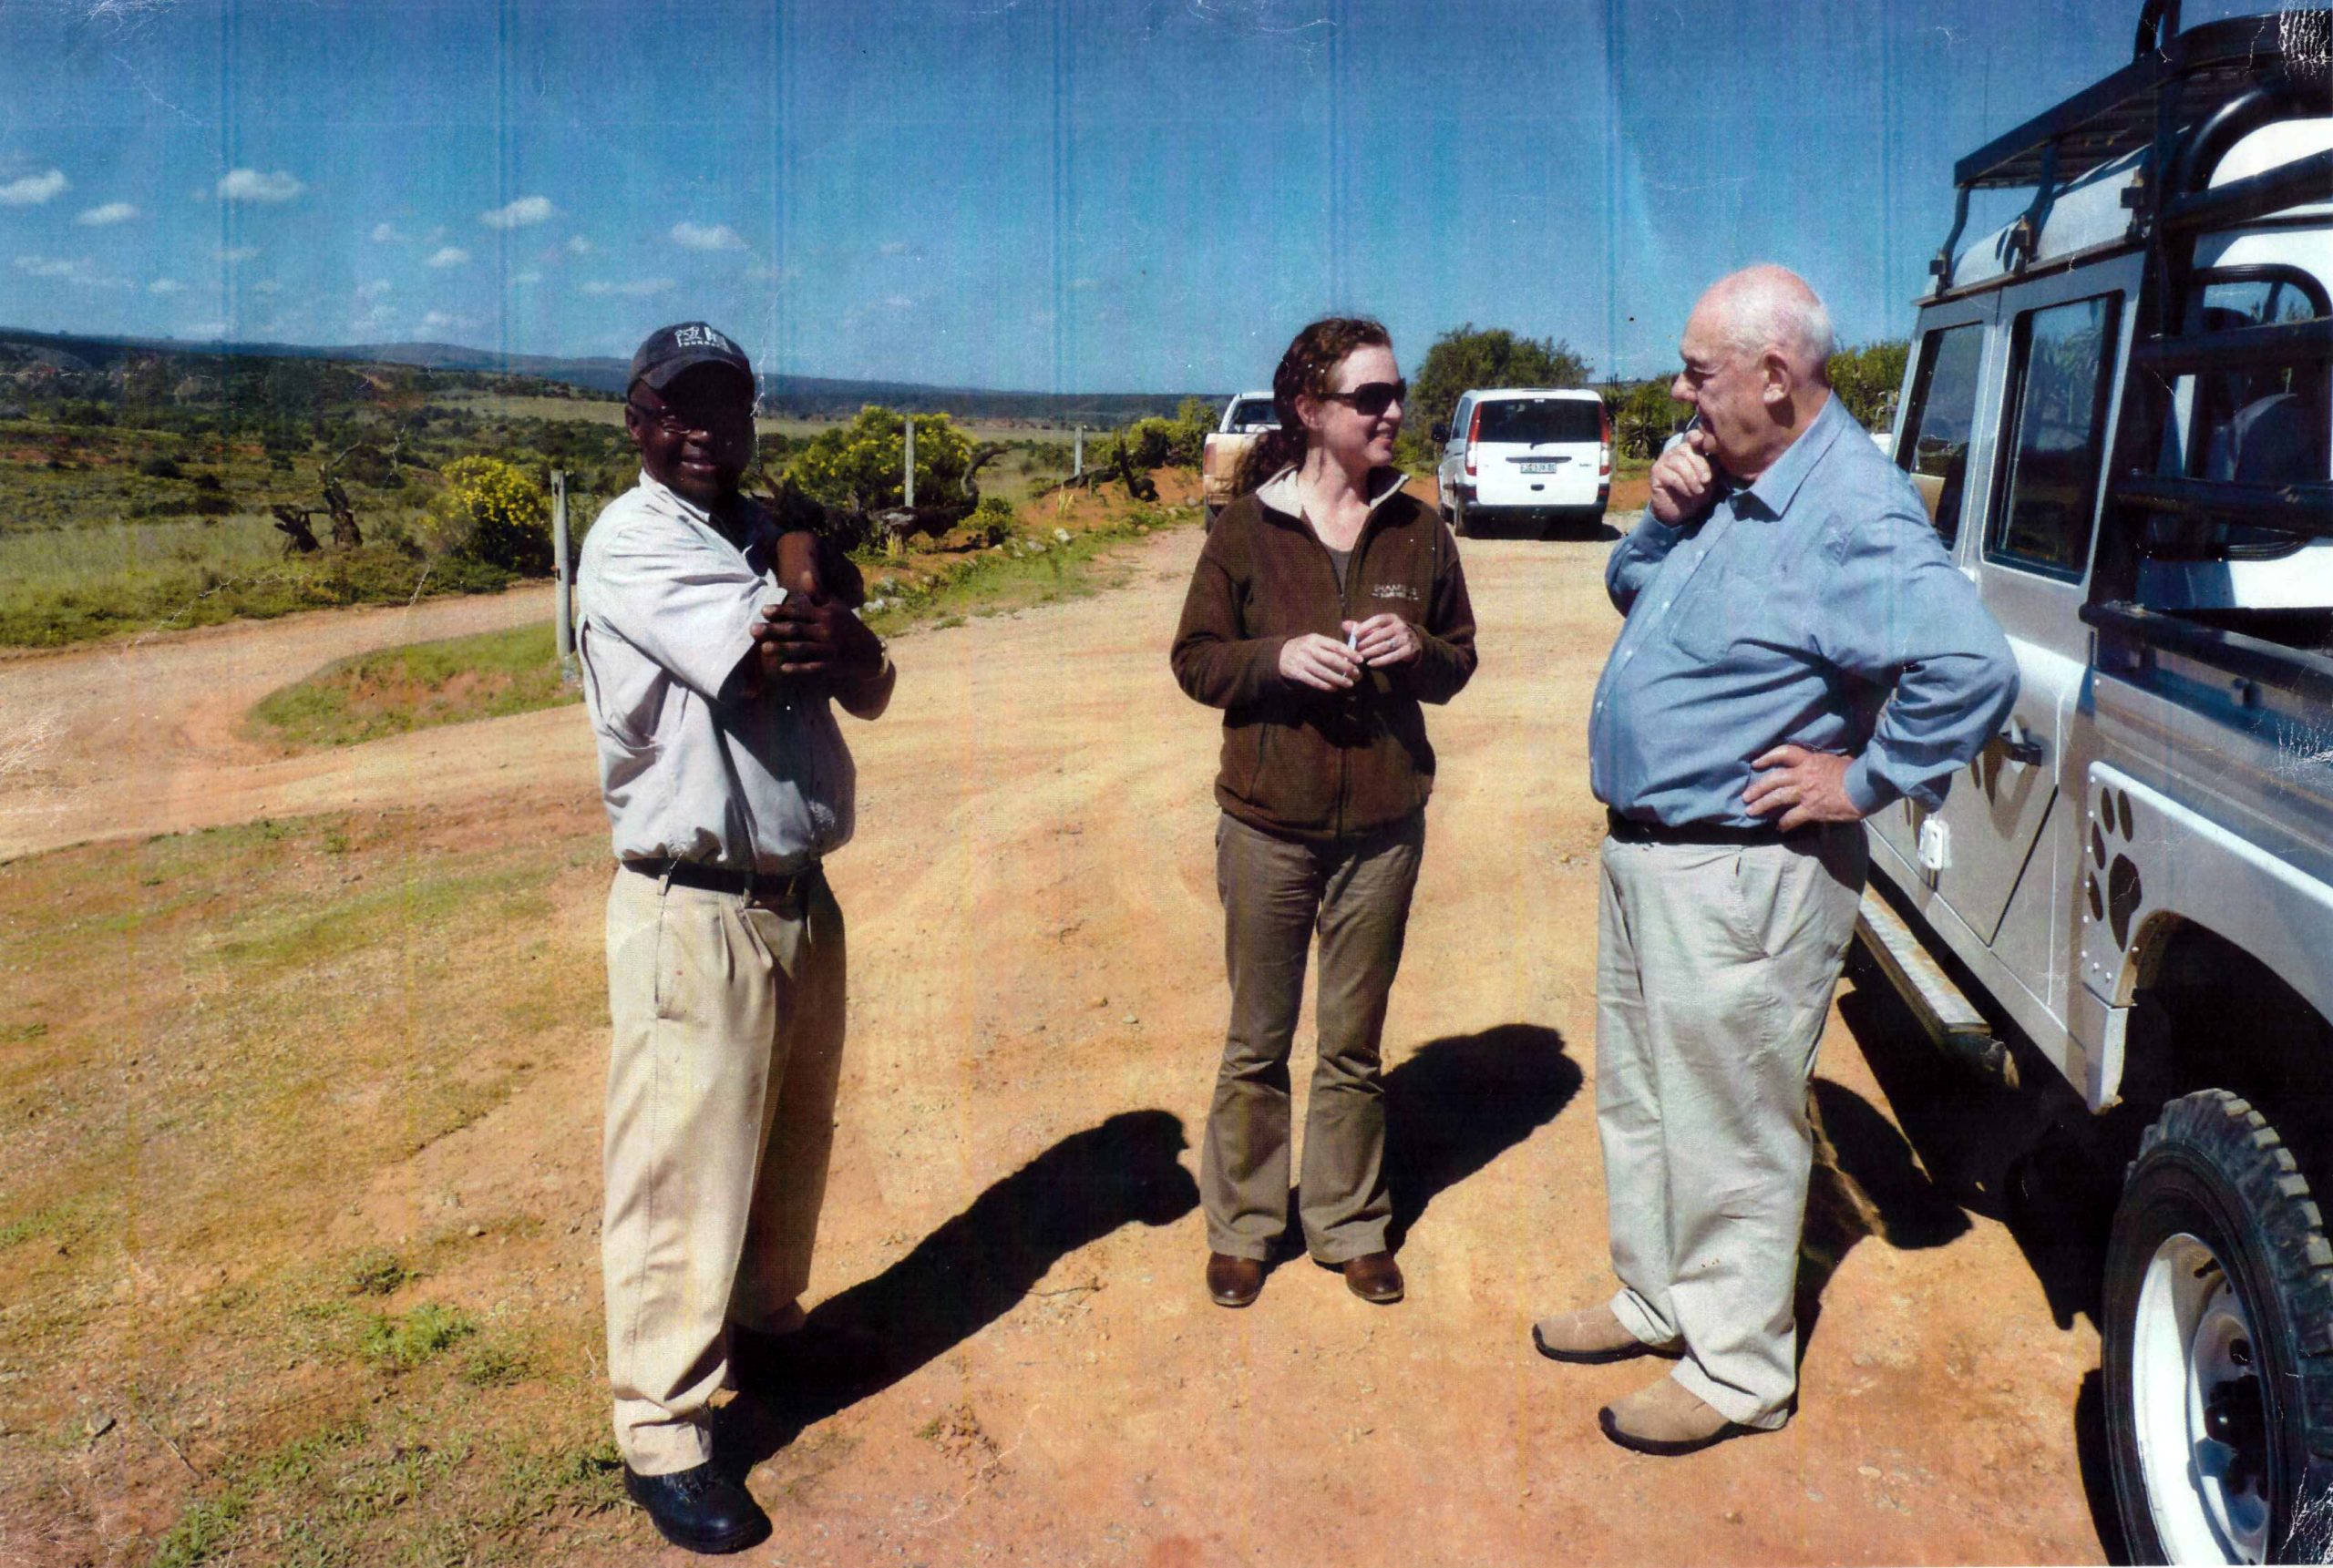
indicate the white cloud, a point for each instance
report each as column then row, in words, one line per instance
column 440, row 319
column 251, row 185
column 166, row 286
column 637, row 288
column 451, row 256
column 75, row 270
column 34, row 188
column 899, row 302
column 387, row 234
column 373, row 289
column 1081, row 284
column 893, row 248
column 111, row 212
column 208, row 331
column 519, row 213
column 701, row 237
column 267, row 286
column 240, row 254
column 527, row 278
column 578, row 246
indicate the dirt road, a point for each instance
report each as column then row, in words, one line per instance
column 145, row 736
column 1036, row 1004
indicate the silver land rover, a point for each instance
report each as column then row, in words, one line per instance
column 2116, row 406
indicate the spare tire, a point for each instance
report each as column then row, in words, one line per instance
column 2217, row 1360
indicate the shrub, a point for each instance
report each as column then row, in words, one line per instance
column 492, row 513
column 859, row 465
column 161, row 469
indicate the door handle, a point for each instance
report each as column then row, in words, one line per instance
column 2019, row 745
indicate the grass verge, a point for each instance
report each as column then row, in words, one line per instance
column 233, row 1289
column 64, row 586
column 490, row 675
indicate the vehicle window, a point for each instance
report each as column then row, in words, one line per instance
column 2060, row 368
column 1532, row 420
column 1248, row 415
column 2254, row 302
column 1938, row 425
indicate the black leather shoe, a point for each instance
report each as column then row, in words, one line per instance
column 1376, row 1277
column 1233, row 1281
column 811, row 1360
column 699, row 1508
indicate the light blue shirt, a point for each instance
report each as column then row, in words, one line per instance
column 1816, row 606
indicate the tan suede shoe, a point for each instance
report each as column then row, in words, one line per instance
column 1591, row 1335
column 1666, row 1418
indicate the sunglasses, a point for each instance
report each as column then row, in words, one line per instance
column 693, row 420
column 1371, row 398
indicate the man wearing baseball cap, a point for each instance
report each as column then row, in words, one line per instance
column 713, row 655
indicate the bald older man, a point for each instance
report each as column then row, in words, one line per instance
column 1799, row 652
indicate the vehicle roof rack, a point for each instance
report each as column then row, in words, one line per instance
column 2178, row 87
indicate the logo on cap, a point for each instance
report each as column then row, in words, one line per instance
column 697, row 335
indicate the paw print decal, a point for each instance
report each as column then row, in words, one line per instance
column 2112, row 886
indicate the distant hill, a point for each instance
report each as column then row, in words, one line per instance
column 801, row 397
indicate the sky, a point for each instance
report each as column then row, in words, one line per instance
column 1040, row 195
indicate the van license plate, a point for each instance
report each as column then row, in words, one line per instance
column 1549, row 466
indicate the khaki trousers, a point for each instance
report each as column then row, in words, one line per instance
column 1714, row 972
column 1275, row 892
column 721, row 1093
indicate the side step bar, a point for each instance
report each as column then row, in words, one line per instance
column 1950, row 1020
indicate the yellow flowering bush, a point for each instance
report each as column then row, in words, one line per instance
column 493, row 512
column 859, row 465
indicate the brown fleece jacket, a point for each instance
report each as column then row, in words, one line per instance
column 1322, row 765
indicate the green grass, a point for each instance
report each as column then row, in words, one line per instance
column 62, row 586
column 401, row 1343
column 490, row 675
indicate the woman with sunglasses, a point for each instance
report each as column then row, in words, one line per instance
column 1328, row 603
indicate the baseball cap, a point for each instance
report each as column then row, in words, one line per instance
column 672, row 350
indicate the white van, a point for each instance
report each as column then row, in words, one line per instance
column 1532, row 456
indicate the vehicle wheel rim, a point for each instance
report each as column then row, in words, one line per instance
column 2196, row 1409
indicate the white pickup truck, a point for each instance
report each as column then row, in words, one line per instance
column 1245, row 418
column 2117, row 408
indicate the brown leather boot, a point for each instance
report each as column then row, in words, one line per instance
column 1376, row 1277
column 1233, row 1281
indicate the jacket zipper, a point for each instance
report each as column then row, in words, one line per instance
column 1344, row 608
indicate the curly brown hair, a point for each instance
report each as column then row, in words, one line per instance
column 1308, row 367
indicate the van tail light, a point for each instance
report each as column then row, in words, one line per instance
column 1604, row 458
column 1474, row 434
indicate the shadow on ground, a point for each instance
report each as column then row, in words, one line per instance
column 971, row 1271
column 1456, row 1104
column 2017, row 1157
column 1461, row 1102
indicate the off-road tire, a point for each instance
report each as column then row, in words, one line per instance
column 2212, row 1168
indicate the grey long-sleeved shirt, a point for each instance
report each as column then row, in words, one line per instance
column 1815, row 606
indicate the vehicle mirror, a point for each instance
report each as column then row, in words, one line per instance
column 1440, row 431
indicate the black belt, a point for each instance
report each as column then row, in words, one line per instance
column 1636, row 830
column 760, row 887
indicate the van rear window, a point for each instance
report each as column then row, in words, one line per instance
column 1531, row 420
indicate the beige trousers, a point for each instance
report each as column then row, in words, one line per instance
column 721, row 1093
column 1714, row 972
column 1275, row 892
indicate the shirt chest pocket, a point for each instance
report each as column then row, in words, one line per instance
column 1753, row 599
